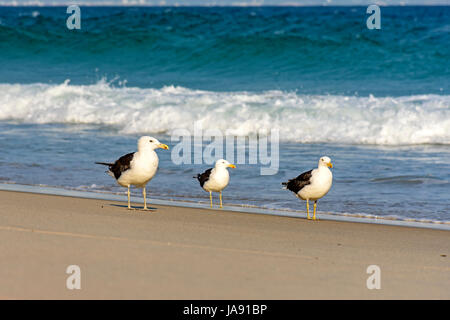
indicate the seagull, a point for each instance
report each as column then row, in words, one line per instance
column 313, row 184
column 137, row 168
column 215, row 179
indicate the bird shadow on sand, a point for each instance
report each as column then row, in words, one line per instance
column 134, row 208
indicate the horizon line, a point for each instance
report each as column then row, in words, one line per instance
column 215, row 5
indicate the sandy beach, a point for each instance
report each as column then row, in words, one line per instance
column 188, row 253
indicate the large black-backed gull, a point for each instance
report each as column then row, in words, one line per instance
column 137, row 168
column 215, row 179
column 313, row 184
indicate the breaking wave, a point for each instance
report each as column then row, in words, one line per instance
column 418, row 119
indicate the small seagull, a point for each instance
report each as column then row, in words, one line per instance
column 313, row 184
column 137, row 168
column 215, row 179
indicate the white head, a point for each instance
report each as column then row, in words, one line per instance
column 221, row 163
column 150, row 143
column 325, row 161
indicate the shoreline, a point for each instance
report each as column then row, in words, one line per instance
column 198, row 253
column 358, row 218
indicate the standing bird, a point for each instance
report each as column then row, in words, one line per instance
column 137, row 168
column 215, row 179
column 313, row 184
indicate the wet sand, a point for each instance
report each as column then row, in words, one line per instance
column 190, row 253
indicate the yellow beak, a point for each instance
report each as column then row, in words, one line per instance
column 232, row 166
column 163, row 146
column 330, row 165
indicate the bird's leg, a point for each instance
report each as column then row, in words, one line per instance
column 144, row 194
column 129, row 205
column 210, row 198
column 220, row 196
column 307, row 209
column 315, row 206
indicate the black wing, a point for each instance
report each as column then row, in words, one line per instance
column 295, row 185
column 121, row 165
column 202, row 178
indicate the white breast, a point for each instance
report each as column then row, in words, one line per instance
column 218, row 180
column 143, row 169
column 321, row 181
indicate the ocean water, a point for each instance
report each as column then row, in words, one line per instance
column 375, row 101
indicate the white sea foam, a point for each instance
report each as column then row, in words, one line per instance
column 301, row 118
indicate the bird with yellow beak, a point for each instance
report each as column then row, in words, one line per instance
column 137, row 168
column 313, row 184
column 215, row 179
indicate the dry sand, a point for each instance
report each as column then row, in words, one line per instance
column 186, row 253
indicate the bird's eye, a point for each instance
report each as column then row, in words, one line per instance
column 151, row 140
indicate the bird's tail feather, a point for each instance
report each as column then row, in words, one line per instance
column 109, row 165
column 105, row 163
